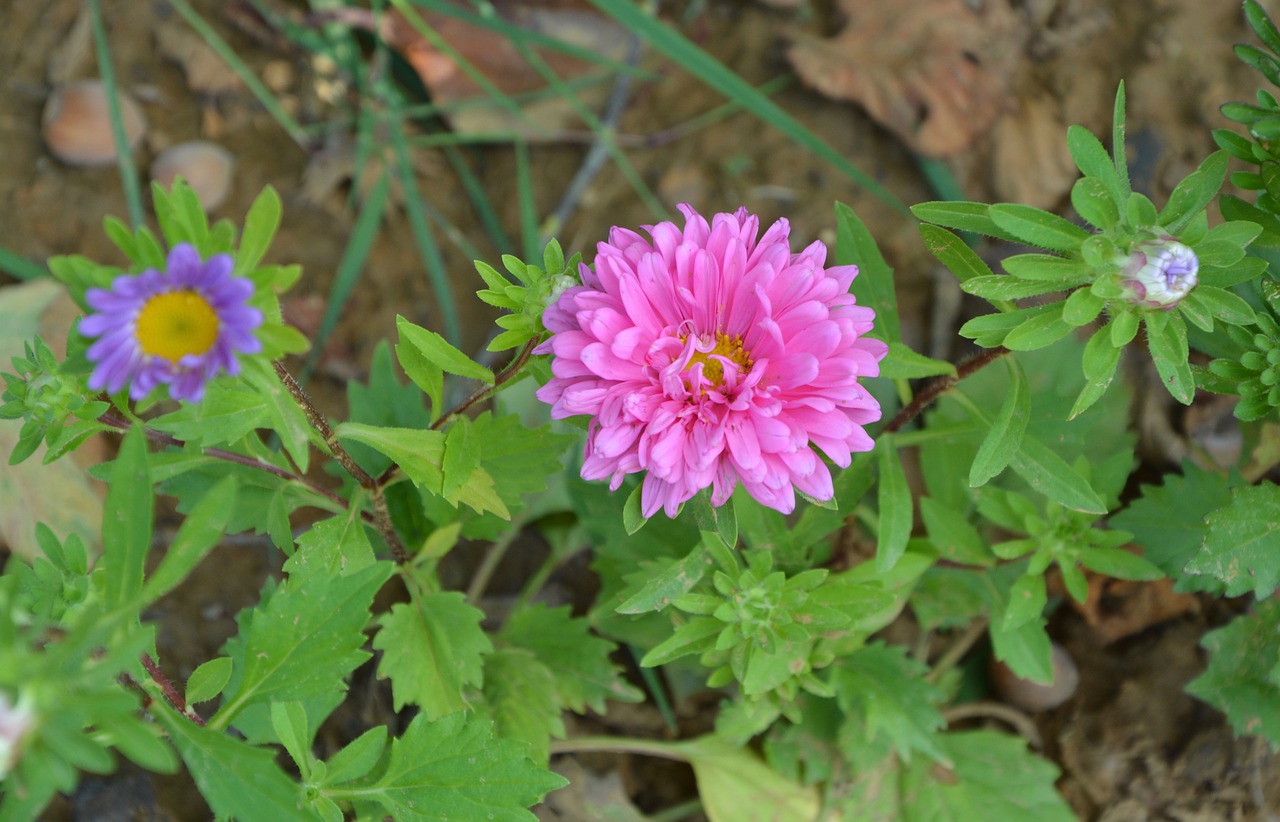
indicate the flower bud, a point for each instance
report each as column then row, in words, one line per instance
column 1159, row 273
column 15, row 723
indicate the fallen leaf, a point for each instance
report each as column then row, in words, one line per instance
column 1029, row 156
column 60, row 494
column 935, row 72
column 1118, row 608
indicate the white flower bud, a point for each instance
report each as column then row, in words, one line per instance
column 1159, row 273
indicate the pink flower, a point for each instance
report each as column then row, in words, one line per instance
column 707, row 358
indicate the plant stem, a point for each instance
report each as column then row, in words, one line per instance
column 942, row 385
column 122, row 424
column 381, row 515
column 1016, row 719
column 492, row 558
column 957, row 650
column 619, row 744
column 167, row 688
column 483, row 391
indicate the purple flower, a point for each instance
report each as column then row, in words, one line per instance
column 707, row 357
column 1159, row 273
column 181, row 326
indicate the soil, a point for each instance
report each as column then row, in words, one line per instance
column 1131, row 744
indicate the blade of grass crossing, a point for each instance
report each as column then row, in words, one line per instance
column 705, row 67
column 19, row 267
column 124, row 159
column 530, row 240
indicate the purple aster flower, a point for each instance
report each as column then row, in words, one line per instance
column 710, row 356
column 1159, row 273
column 180, row 327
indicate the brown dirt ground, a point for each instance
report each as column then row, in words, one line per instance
column 1133, row 746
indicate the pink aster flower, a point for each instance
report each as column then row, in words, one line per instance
column 710, row 356
column 180, row 327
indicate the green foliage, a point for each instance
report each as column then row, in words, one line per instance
column 440, row 650
column 1243, row 676
column 1242, row 543
column 535, row 288
column 888, row 705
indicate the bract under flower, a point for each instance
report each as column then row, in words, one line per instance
column 708, row 356
column 1159, row 273
column 180, row 327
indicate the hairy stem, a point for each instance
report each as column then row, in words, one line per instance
column 167, row 688
column 942, row 385
column 483, row 391
column 381, row 515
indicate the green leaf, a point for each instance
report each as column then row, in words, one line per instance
column 452, row 768
column 1241, row 678
column 519, row 458
column 1169, row 352
column 1223, row 305
column 1242, row 545
column 1168, row 521
column 1063, row 272
column 1005, row 436
column 962, row 216
column 1050, row 474
column 425, row 374
column 289, row 720
column 1193, row 194
column 895, row 505
column 227, row 413
column 584, row 674
column 734, row 785
column 1081, row 308
column 1027, row 598
column 208, row 680
column 358, row 758
column 303, row 640
column 1046, row 328
column 903, row 363
column 1091, row 158
column 1039, row 228
column 260, row 226
column 1115, row 562
column 999, row 287
column 1261, row 24
column 1101, row 357
column 951, row 533
column 954, row 253
column 285, row 416
column 334, row 547
column 126, row 520
column 203, row 528
column 235, row 778
column 1023, row 646
column 1094, row 200
column 676, row 579
column 432, row 649
column 1117, row 143
column 886, row 694
column 874, row 284
column 437, row 350
column 521, row 696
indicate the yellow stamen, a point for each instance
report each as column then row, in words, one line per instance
column 175, row 324
column 726, row 346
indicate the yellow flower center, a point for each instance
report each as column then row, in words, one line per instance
column 726, row 346
column 175, row 324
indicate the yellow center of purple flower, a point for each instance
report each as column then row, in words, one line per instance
column 726, row 346
column 176, row 323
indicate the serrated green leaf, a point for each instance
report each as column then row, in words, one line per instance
column 1005, row 435
column 260, row 226
column 1036, row 227
column 1240, row 678
column 432, row 648
column 228, row 412
column 461, row 457
column 520, row 693
column 888, row 695
column 452, row 768
column 1242, row 544
column 235, row 778
column 1169, row 521
column 303, row 641
column 208, row 680
column 425, row 374
column 126, row 520
column 895, row 506
column 438, row 350
column 584, row 674
column 734, row 785
column 874, row 284
column 285, row 416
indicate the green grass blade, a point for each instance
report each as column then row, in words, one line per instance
column 350, row 267
column 530, row 239
column 480, row 201
column 242, row 70
column 19, row 267
column 705, row 67
column 124, row 159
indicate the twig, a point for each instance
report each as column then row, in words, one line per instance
column 942, row 385
column 171, row 694
column 1012, row 717
column 492, row 558
column 611, row 744
column 381, row 515
column 957, row 650
column 122, row 424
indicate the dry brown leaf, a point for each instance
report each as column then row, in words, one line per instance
column 1118, row 608
column 1029, row 156
column 935, row 72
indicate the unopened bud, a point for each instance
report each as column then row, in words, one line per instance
column 15, row 723
column 1159, row 273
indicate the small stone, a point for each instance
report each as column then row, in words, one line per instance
column 77, row 125
column 1034, row 696
column 205, row 166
